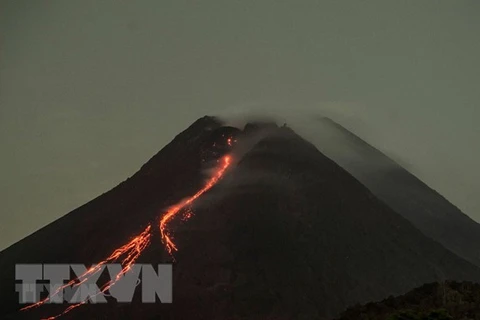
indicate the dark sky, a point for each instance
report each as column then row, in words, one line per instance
column 90, row 90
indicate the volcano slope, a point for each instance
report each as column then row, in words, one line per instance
column 284, row 234
column 429, row 211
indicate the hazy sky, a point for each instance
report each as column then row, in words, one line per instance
column 90, row 90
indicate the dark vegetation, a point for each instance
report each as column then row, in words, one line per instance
column 433, row 301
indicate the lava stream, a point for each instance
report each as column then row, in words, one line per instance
column 170, row 214
column 130, row 251
column 133, row 249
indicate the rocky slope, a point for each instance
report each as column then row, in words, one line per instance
column 286, row 234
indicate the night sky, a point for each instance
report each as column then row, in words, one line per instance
column 90, row 90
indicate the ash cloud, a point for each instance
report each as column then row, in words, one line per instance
column 318, row 125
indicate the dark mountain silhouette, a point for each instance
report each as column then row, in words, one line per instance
column 429, row 211
column 286, row 234
column 434, row 301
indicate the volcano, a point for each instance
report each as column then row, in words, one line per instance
column 428, row 210
column 257, row 223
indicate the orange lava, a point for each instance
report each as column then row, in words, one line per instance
column 130, row 253
column 173, row 211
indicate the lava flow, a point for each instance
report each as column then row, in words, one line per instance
column 130, row 253
column 173, row 211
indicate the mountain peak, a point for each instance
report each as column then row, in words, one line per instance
column 259, row 224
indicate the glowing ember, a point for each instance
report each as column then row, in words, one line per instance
column 173, row 211
column 187, row 214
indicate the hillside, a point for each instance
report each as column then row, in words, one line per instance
column 445, row 300
column 429, row 211
column 286, row 233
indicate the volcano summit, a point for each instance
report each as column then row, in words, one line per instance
column 258, row 224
